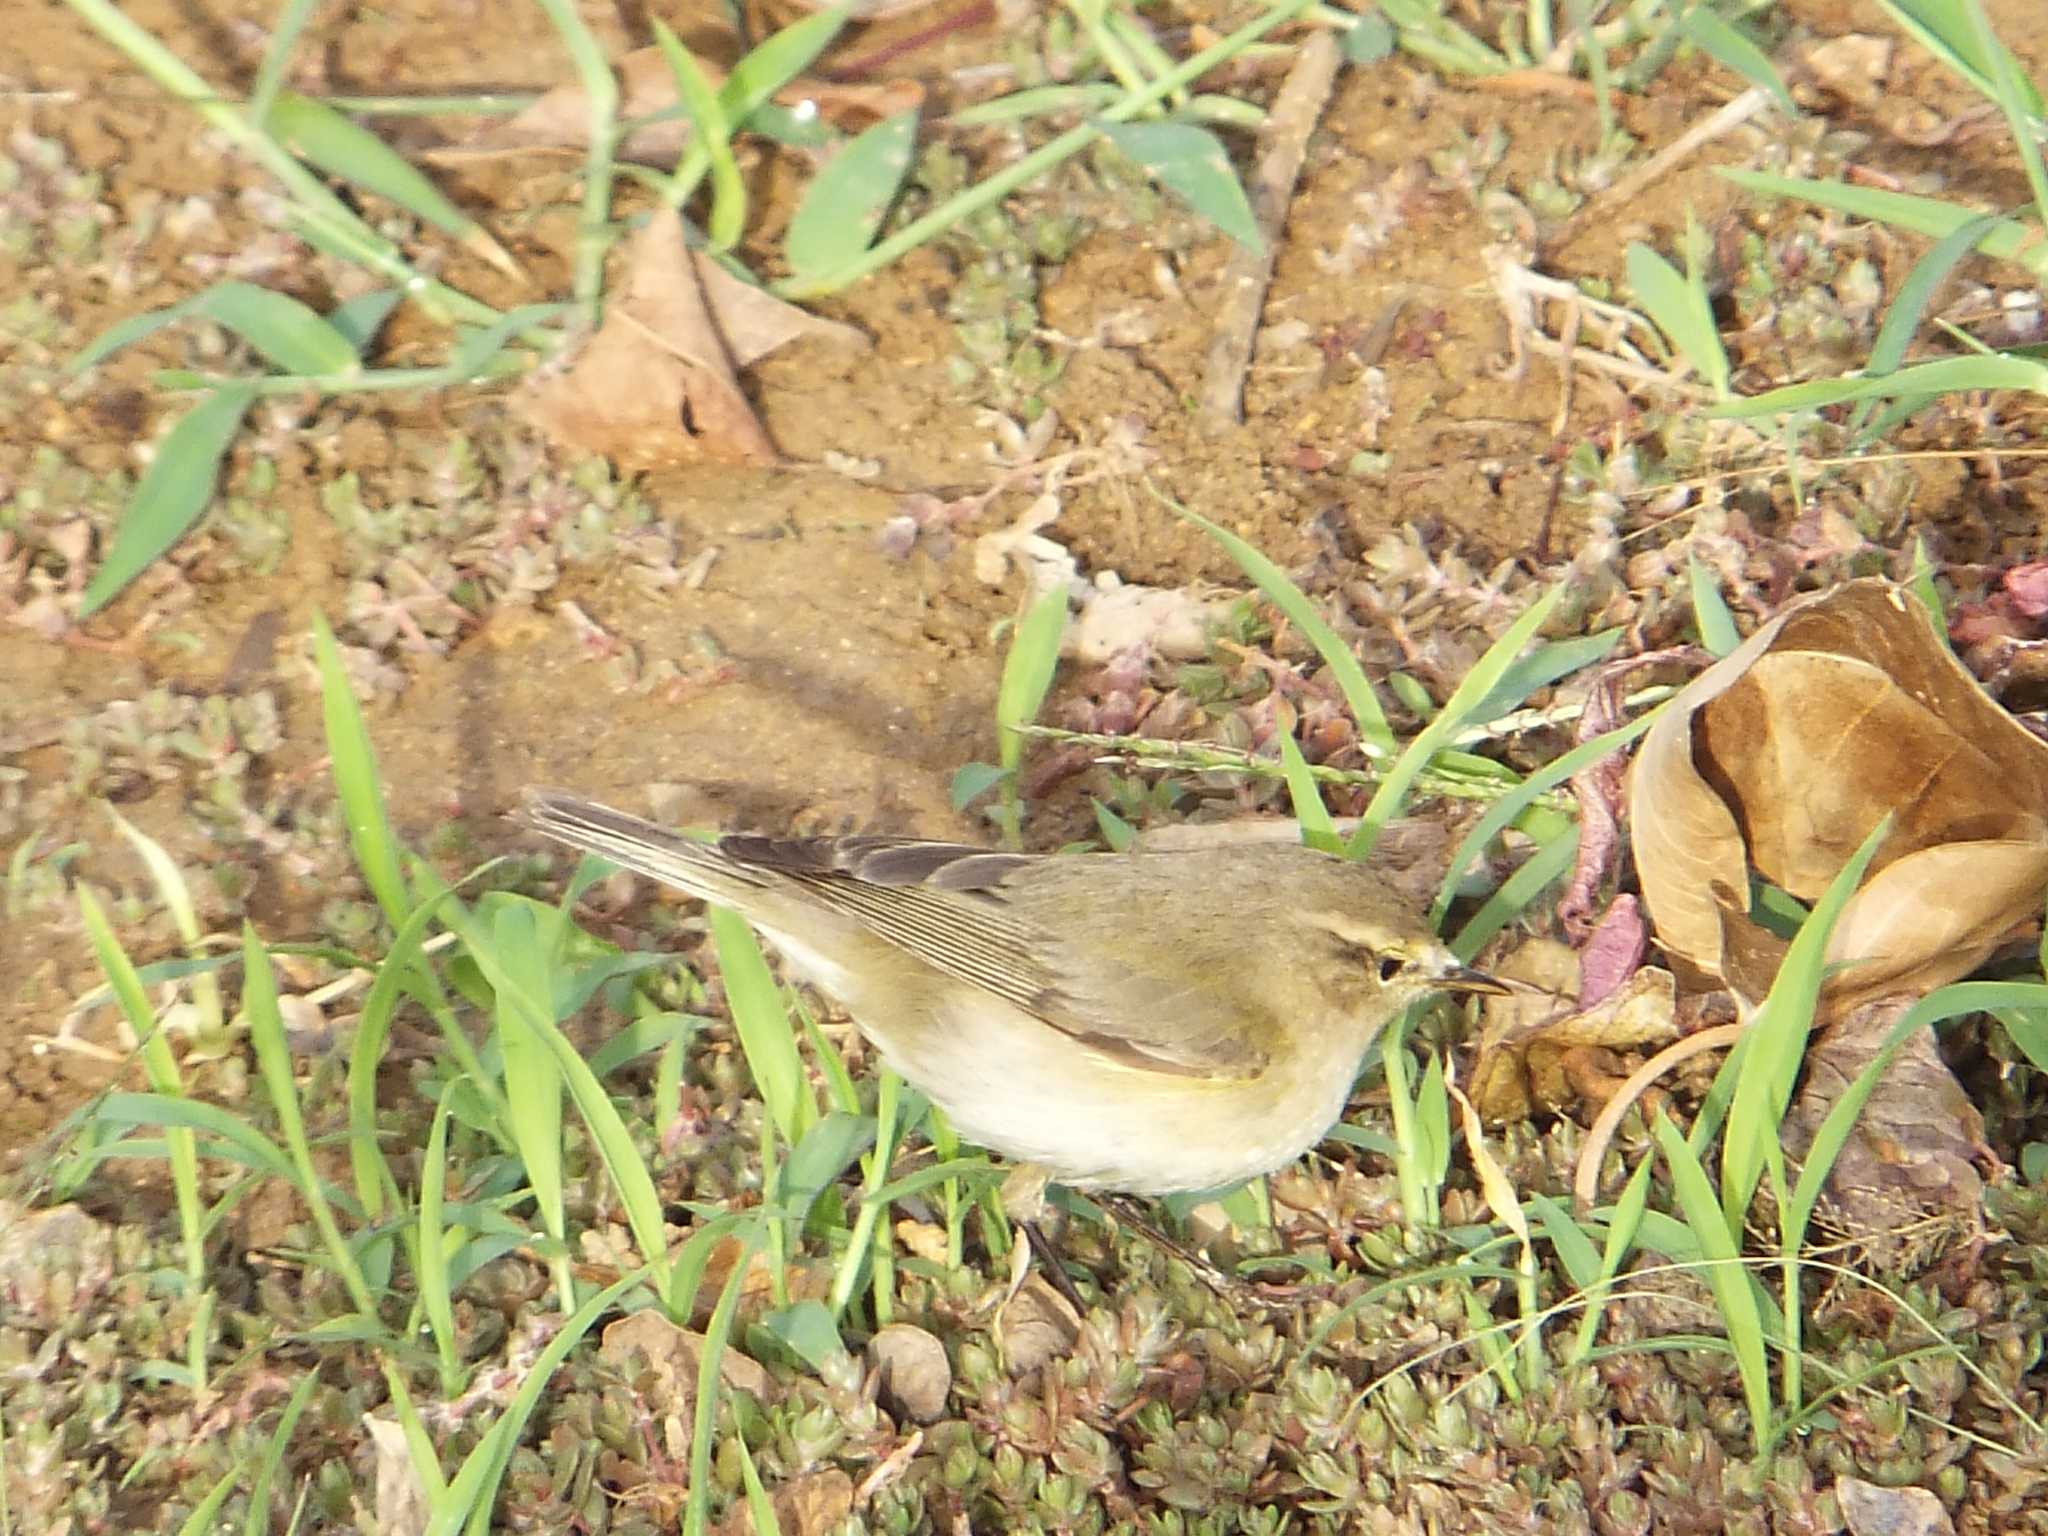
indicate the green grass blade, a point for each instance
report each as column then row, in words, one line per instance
column 1710, row 613
column 274, row 1065
column 1318, row 828
column 1731, row 48
column 842, row 210
column 1376, row 736
column 172, row 493
column 1724, row 1274
column 437, row 1298
column 356, row 782
column 347, row 151
column 475, row 1487
column 1473, row 689
column 1774, row 1041
column 523, row 972
column 1944, row 376
column 1549, row 864
column 257, row 1520
column 2008, row 240
column 1505, row 811
column 762, row 1023
column 709, row 1384
column 1682, row 311
column 1028, row 668
column 712, row 131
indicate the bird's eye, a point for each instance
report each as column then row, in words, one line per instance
column 1391, row 966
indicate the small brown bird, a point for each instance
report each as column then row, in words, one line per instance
column 1143, row 1022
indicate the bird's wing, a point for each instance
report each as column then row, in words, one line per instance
column 947, row 904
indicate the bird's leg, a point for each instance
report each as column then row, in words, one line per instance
column 1024, row 1202
column 1128, row 1212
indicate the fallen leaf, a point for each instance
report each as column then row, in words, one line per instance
column 649, row 1341
column 1906, row 1185
column 656, row 386
column 560, row 119
column 1537, row 1053
column 912, row 1373
column 1783, row 756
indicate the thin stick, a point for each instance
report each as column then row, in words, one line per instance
column 1586, row 1179
column 1283, row 145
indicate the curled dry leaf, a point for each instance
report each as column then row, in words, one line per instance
column 1538, row 1053
column 1035, row 1326
column 560, row 119
column 657, row 385
column 1782, row 756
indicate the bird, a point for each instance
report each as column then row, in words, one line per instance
column 1137, row 1023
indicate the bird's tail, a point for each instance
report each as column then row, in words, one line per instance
column 641, row 846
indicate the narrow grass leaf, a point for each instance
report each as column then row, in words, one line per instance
column 762, row 1023
column 1722, row 1264
column 1542, row 869
column 159, row 1066
column 360, row 319
column 474, row 1488
column 1192, row 163
column 1920, row 581
column 1318, row 827
column 1945, row 30
column 1548, row 663
column 1710, row 614
column 437, row 1289
column 1682, row 311
column 973, row 780
column 2016, row 98
column 710, row 1384
column 523, row 978
column 201, row 1521
column 177, row 897
column 649, row 1032
column 760, row 1508
column 356, row 782
column 779, row 59
column 1484, row 677
column 713, row 131
column 843, row 208
column 347, row 151
column 1117, row 834
column 1774, row 1041
column 172, row 1111
column 1375, row 734
column 1028, row 668
column 1943, row 376
column 827, row 1150
column 172, row 493
column 2008, row 240
column 1037, row 101
column 1505, row 811
column 274, row 1065
column 806, row 1329
column 2025, row 999
column 1731, row 48
column 257, row 1522
column 288, row 334
column 615, row 1147
column 1575, row 1248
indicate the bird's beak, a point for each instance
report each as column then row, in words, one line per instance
column 1462, row 978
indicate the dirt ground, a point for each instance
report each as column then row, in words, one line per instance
column 814, row 678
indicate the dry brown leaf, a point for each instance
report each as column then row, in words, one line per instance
column 1035, row 1326
column 673, row 1354
column 656, row 386
column 560, row 119
column 1907, row 1183
column 1785, row 754
column 1536, row 1053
